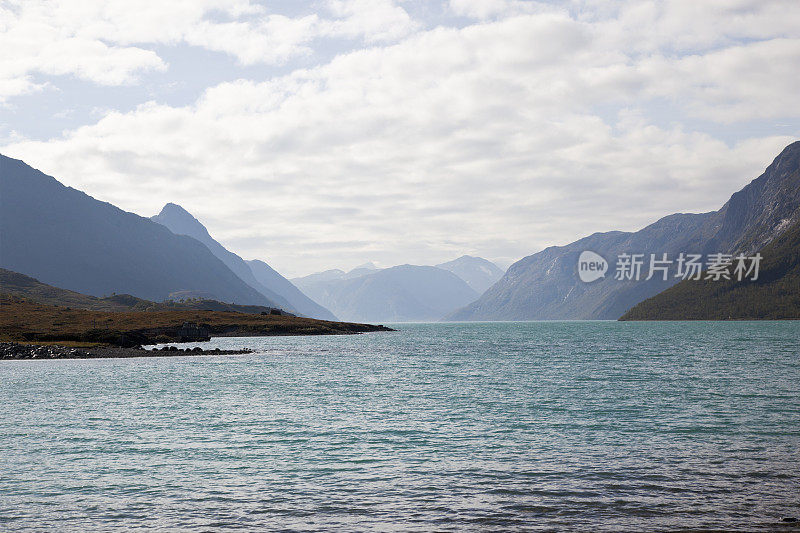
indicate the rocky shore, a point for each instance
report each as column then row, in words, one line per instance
column 13, row 350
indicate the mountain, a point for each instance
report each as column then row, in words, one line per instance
column 775, row 295
column 545, row 285
column 31, row 289
column 68, row 239
column 268, row 282
column 318, row 277
column 398, row 294
column 181, row 222
column 304, row 305
column 309, row 282
column 20, row 285
column 479, row 273
column 361, row 270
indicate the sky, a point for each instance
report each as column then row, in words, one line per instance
column 324, row 134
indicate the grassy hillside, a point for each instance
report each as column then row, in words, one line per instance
column 23, row 320
column 20, row 285
column 775, row 295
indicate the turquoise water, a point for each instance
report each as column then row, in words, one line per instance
column 449, row 427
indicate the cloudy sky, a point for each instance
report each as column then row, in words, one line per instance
column 327, row 133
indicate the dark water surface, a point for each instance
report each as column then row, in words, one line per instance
column 450, row 427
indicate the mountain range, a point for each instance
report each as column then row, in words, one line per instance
column 68, row 239
column 402, row 293
column 546, row 286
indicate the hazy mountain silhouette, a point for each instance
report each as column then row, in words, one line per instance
column 545, row 285
column 258, row 274
column 66, row 238
column 397, row 294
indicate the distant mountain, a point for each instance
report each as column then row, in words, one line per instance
column 268, row 282
column 775, row 295
column 479, row 273
column 318, row 277
column 308, row 282
column 545, row 286
column 361, row 270
column 397, row 294
column 304, row 305
column 20, row 285
column 68, row 239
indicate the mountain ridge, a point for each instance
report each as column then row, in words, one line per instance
column 256, row 274
column 68, row 239
column 545, row 285
column 479, row 273
column 402, row 293
column 775, row 295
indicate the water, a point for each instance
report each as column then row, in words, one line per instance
column 449, row 427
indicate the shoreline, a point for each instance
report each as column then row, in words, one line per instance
column 13, row 351
column 19, row 351
column 25, row 321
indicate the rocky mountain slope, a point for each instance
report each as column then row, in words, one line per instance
column 774, row 295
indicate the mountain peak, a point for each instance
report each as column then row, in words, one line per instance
column 181, row 222
column 257, row 274
column 175, row 210
column 369, row 265
column 479, row 273
column 99, row 248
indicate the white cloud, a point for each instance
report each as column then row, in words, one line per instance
column 375, row 20
column 106, row 42
column 679, row 26
column 756, row 80
column 496, row 139
column 31, row 44
column 484, row 9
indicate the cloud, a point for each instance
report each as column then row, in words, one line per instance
column 743, row 82
column 484, row 9
column 495, row 139
column 106, row 42
column 375, row 20
column 31, row 44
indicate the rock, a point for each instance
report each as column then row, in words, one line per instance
column 191, row 332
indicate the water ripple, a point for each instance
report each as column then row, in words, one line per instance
column 447, row 427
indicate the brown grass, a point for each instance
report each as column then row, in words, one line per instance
column 24, row 320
